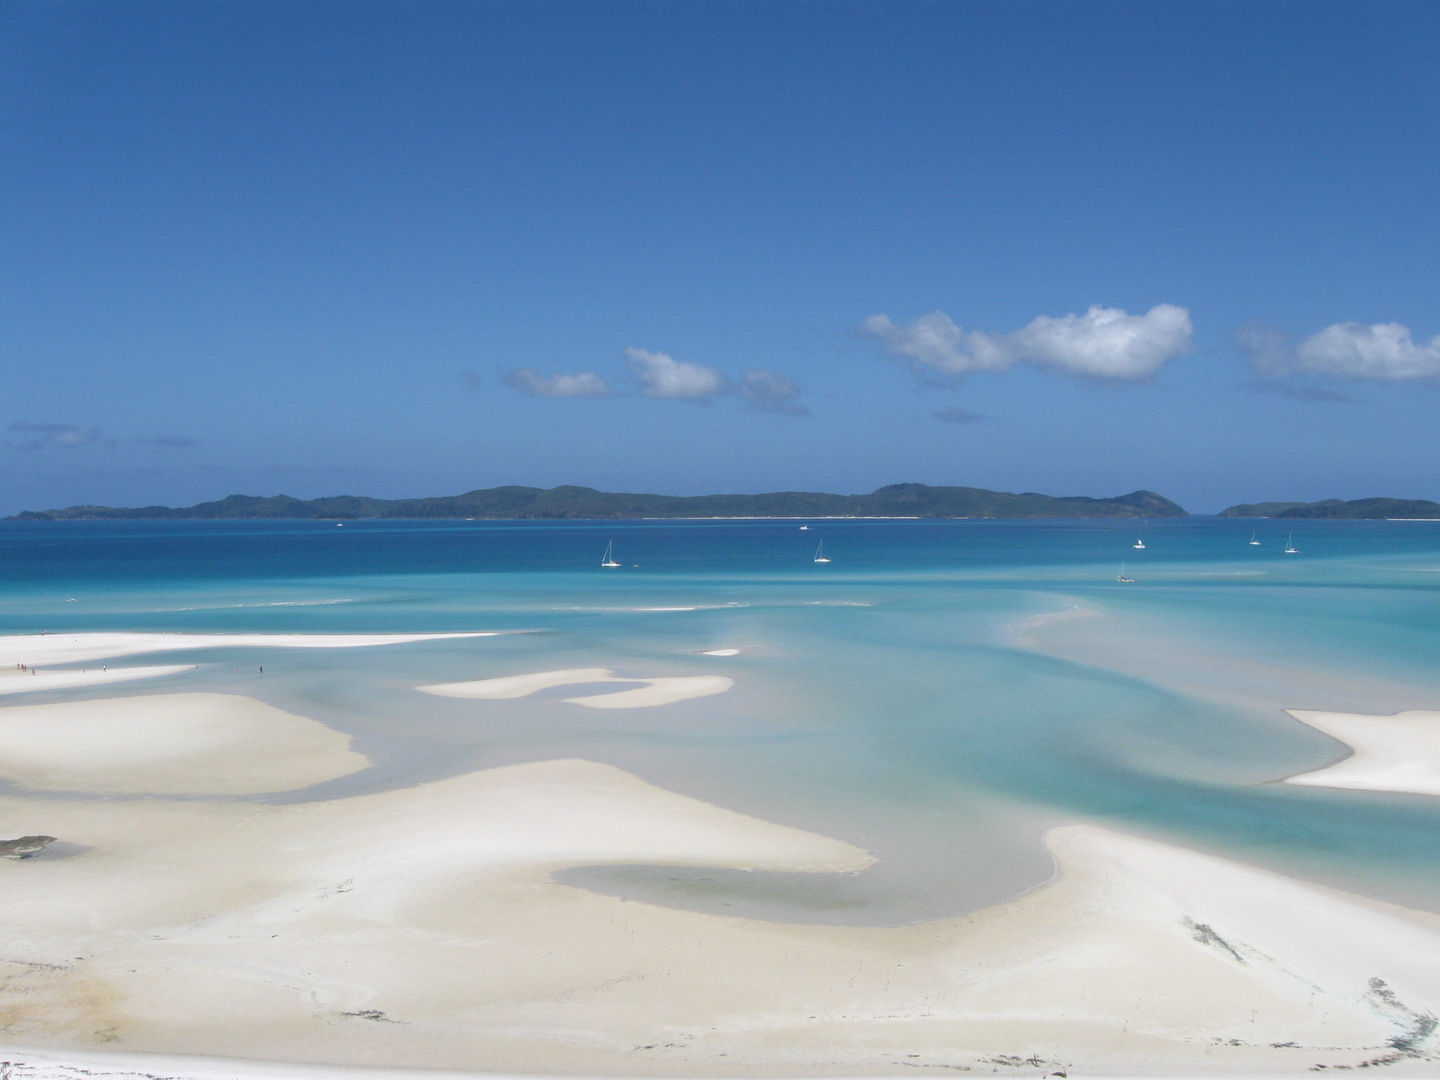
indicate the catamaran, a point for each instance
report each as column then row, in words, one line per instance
column 1253, row 541
column 820, row 555
column 1290, row 548
column 608, row 560
column 1122, row 576
column 1139, row 544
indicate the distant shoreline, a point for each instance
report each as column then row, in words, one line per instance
column 898, row 501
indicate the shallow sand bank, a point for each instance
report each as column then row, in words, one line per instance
column 421, row 927
column 28, row 682
column 665, row 691
column 169, row 744
column 1389, row 753
column 39, row 649
column 516, row 686
column 657, row 691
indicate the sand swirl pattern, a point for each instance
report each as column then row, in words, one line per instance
column 663, row 690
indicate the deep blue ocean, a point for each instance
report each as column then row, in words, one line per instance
column 940, row 693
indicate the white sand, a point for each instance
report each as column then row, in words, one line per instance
column 515, row 686
column 658, row 691
column 171, row 744
column 28, row 1063
column 421, row 927
column 722, row 652
column 664, row 691
column 24, row 682
column 39, row 649
column 1390, row 753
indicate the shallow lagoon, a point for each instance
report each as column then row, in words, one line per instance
column 939, row 694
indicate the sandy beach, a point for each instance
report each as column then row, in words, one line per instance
column 30, row 680
column 1388, row 753
column 37, row 650
column 169, row 744
column 422, row 927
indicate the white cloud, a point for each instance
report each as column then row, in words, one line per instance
column 1384, row 351
column 662, row 376
column 584, row 384
column 1381, row 351
column 42, row 435
column 1104, row 343
column 766, row 391
column 936, row 342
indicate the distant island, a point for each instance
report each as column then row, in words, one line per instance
column 1356, row 509
column 896, row 500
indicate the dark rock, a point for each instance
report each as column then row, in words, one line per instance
column 22, row 847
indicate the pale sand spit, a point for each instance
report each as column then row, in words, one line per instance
column 422, row 927
column 657, row 691
column 1389, row 753
column 38, row 649
column 169, row 744
column 515, row 686
column 24, row 682
column 664, row 691
column 722, row 652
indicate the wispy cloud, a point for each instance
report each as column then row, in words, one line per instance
column 471, row 380
column 1381, row 351
column 585, row 384
column 954, row 414
column 177, row 442
column 662, row 376
column 1306, row 392
column 66, row 435
column 1104, row 343
column 766, row 391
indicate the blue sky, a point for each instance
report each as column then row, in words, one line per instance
column 326, row 248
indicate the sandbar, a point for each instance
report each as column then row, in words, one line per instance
column 665, row 690
column 515, row 686
column 1388, row 753
column 37, row 649
column 170, row 744
column 29, row 681
column 422, row 927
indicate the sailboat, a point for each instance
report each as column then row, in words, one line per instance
column 608, row 560
column 820, row 555
column 1290, row 548
column 1139, row 544
column 1122, row 576
column 1253, row 541
column 804, row 528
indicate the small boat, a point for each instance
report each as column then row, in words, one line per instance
column 804, row 528
column 1253, row 541
column 1290, row 548
column 820, row 555
column 1139, row 544
column 1122, row 577
column 608, row 560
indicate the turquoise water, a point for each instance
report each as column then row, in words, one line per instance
column 940, row 693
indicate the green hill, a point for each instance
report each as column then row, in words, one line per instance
column 897, row 500
column 1356, row 509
